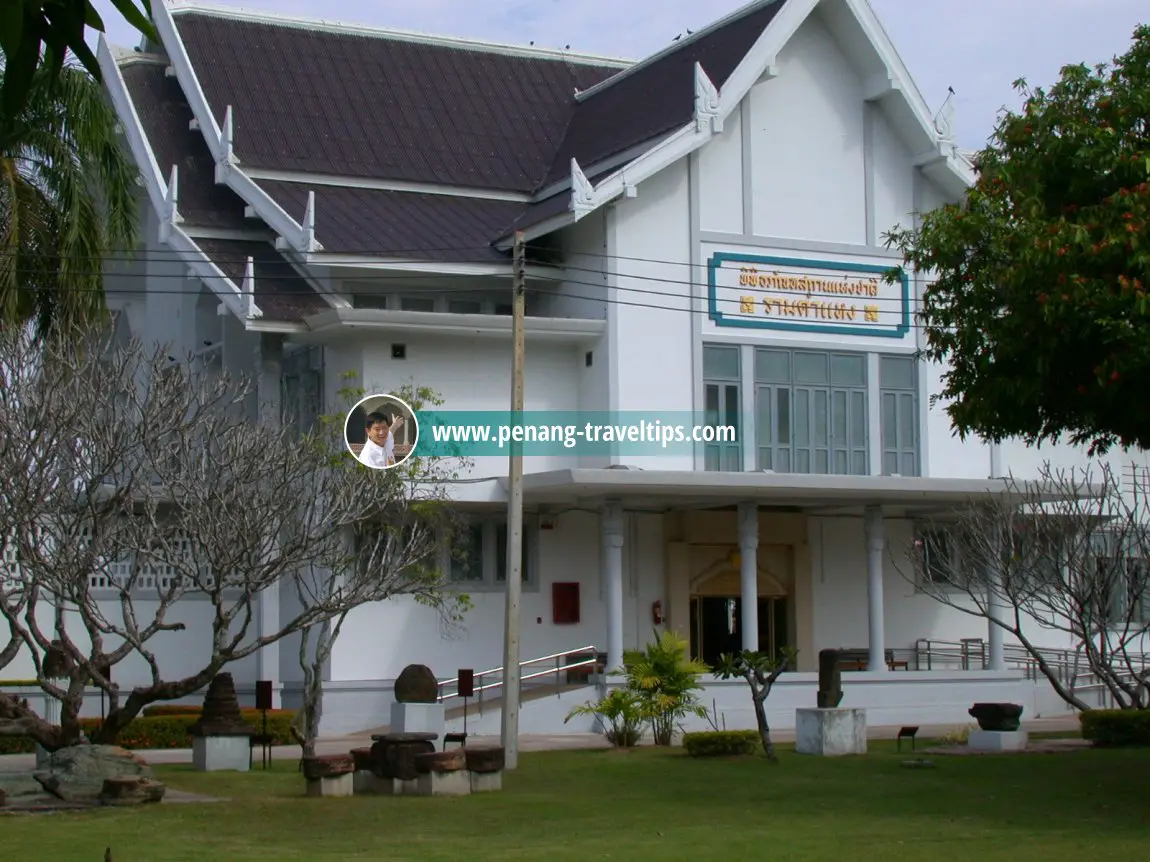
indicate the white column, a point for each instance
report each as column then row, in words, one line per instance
column 749, row 573
column 875, row 548
column 612, row 524
column 995, row 610
column 269, row 366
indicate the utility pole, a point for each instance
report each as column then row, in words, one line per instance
column 509, row 729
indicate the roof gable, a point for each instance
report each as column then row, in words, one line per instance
column 938, row 156
column 658, row 95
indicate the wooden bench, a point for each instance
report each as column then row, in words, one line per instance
column 859, row 660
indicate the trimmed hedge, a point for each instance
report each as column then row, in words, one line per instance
column 721, row 743
column 1116, row 728
column 165, row 731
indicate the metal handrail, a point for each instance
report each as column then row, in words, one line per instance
column 560, row 667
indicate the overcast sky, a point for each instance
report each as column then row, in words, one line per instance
column 976, row 46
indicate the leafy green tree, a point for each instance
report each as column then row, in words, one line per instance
column 666, row 680
column 39, row 34
column 68, row 198
column 1039, row 303
column 760, row 672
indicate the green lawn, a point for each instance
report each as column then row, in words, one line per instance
column 647, row 804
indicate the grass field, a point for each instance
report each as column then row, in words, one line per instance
column 645, row 805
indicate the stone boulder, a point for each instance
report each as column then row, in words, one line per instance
column 416, row 684
column 1002, row 717
column 77, row 773
column 132, row 790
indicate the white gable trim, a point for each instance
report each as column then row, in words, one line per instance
column 293, row 235
column 164, row 195
column 945, row 167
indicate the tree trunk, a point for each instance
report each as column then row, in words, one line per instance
column 764, row 728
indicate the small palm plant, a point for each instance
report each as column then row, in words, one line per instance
column 666, row 681
column 621, row 712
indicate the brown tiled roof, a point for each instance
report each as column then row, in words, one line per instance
column 281, row 293
column 379, row 107
column 164, row 113
column 393, row 108
column 400, row 224
column 656, row 98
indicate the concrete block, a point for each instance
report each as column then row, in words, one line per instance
column 363, row 783
column 456, row 783
column 486, row 782
column 342, row 785
column 997, row 740
column 830, row 732
column 418, row 718
column 221, row 753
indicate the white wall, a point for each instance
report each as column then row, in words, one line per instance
column 649, row 320
column 378, row 641
column 807, row 144
column 722, row 179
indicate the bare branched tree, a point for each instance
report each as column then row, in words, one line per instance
column 132, row 482
column 400, row 553
column 1065, row 555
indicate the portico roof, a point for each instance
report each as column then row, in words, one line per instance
column 675, row 489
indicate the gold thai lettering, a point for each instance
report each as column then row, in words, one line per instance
column 813, row 308
column 747, row 304
column 749, row 276
column 871, row 313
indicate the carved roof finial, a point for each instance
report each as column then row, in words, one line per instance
column 707, row 102
column 944, row 119
column 582, row 192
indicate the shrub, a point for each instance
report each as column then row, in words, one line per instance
column 621, row 711
column 165, row 731
column 1114, row 728
column 721, row 743
column 958, row 736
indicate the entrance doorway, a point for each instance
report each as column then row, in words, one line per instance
column 716, row 626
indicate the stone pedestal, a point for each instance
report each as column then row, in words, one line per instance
column 486, row 782
column 220, row 753
column 997, row 740
column 418, row 718
column 830, row 732
column 339, row 785
column 455, row 783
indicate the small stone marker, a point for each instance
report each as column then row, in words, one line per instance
column 416, row 684
column 830, row 692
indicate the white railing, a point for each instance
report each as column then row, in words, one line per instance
column 585, row 661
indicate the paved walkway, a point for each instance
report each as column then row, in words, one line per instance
column 532, row 742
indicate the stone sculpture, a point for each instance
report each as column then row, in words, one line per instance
column 1000, row 717
column 416, row 684
column 830, row 679
column 221, row 714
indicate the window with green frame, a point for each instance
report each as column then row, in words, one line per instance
column 811, row 411
column 722, row 369
column 898, row 391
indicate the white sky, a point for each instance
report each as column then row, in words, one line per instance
column 979, row 47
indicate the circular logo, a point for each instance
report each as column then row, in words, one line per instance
column 381, row 431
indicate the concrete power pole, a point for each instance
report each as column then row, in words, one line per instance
column 509, row 729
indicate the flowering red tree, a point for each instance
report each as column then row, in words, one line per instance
column 1039, row 306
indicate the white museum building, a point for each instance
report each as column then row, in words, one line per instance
column 704, row 232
